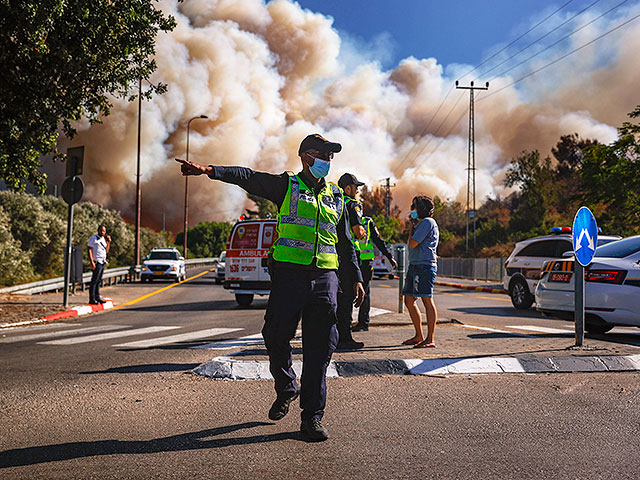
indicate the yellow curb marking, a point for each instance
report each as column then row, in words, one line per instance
column 495, row 298
column 454, row 294
column 162, row 289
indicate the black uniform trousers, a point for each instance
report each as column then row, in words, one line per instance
column 366, row 268
column 312, row 295
column 345, row 306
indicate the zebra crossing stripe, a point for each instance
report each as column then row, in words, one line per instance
column 107, row 336
column 495, row 330
column 183, row 337
column 61, row 333
column 535, row 328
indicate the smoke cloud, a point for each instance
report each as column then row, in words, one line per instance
column 266, row 75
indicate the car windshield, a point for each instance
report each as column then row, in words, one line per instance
column 620, row 248
column 163, row 256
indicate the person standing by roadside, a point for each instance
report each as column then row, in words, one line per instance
column 349, row 183
column 421, row 274
column 367, row 255
column 313, row 239
column 98, row 248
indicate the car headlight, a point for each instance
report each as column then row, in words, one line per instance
column 144, row 268
column 173, row 269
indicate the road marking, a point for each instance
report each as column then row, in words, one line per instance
column 535, row 328
column 385, row 286
column 61, row 333
column 494, row 298
column 495, row 330
column 107, row 336
column 183, row 337
column 454, row 294
column 136, row 300
column 233, row 343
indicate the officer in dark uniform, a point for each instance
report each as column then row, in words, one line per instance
column 349, row 183
column 367, row 256
column 313, row 238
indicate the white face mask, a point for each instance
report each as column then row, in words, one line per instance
column 320, row 167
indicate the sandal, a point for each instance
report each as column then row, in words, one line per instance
column 425, row 344
column 411, row 341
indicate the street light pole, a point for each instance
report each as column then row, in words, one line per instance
column 186, row 190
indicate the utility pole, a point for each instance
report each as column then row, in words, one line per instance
column 387, row 196
column 137, row 243
column 471, row 166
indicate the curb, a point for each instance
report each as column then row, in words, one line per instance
column 73, row 312
column 469, row 287
column 230, row 369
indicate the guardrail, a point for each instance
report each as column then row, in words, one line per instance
column 474, row 268
column 109, row 277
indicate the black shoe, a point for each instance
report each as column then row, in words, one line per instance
column 313, row 431
column 93, row 302
column 281, row 405
column 360, row 328
column 101, row 300
column 350, row 345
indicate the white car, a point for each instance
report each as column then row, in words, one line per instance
column 612, row 287
column 163, row 262
column 220, row 267
column 524, row 265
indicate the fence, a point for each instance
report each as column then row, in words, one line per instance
column 475, row 268
column 110, row 276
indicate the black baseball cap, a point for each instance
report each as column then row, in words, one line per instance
column 349, row 179
column 319, row 143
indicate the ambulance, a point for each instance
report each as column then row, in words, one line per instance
column 246, row 272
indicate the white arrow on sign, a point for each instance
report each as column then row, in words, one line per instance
column 589, row 239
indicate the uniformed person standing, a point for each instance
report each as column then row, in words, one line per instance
column 367, row 255
column 313, row 239
column 349, row 183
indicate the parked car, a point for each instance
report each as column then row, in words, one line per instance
column 381, row 265
column 163, row 262
column 612, row 287
column 524, row 265
column 220, row 268
column 246, row 272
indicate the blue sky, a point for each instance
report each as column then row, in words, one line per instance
column 451, row 31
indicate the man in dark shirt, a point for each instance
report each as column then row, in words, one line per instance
column 366, row 267
column 301, row 288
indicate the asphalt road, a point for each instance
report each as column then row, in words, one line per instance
column 110, row 408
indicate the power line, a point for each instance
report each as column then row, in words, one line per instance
column 560, row 40
column 538, row 39
column 563, row 56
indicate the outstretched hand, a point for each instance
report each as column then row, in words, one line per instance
column 190, row 168
column 358, row 293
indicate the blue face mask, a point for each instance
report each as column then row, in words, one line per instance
column 320, row 168
column 414, row 214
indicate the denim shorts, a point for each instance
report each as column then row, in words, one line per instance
column 420, row 280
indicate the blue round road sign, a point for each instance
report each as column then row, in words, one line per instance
column 585, row 236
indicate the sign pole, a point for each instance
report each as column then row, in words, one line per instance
column 579, row 303
column 400, row 261
column 67, row 258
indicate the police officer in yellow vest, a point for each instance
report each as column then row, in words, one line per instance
column 313, row 240
column 349, row 183
column 367, row 255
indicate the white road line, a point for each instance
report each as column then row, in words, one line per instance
column 234, row 343
column 61, row 333
column 183, row 337
column 495, row 330
column 107, row 336
column 534, row 328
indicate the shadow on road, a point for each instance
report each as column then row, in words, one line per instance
column 190, row 307
column 187, row 441
column 150, row 368
column 498, row 312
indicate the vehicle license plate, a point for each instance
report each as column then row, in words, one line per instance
column 560, row 277
column 158, row 273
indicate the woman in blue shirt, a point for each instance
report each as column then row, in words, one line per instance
column 423, row 267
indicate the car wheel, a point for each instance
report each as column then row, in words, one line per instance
column 520, row 295
column 391, row 277
column 244, row 299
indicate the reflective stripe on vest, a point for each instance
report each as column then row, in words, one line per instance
column 366, row 245
column 308, row 225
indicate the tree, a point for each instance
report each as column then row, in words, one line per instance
column 61, row 59
column 207, row 239
column 266, row 208
column 610, row 176
column 534, row 177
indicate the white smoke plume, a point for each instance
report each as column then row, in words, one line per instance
column 268, row 74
